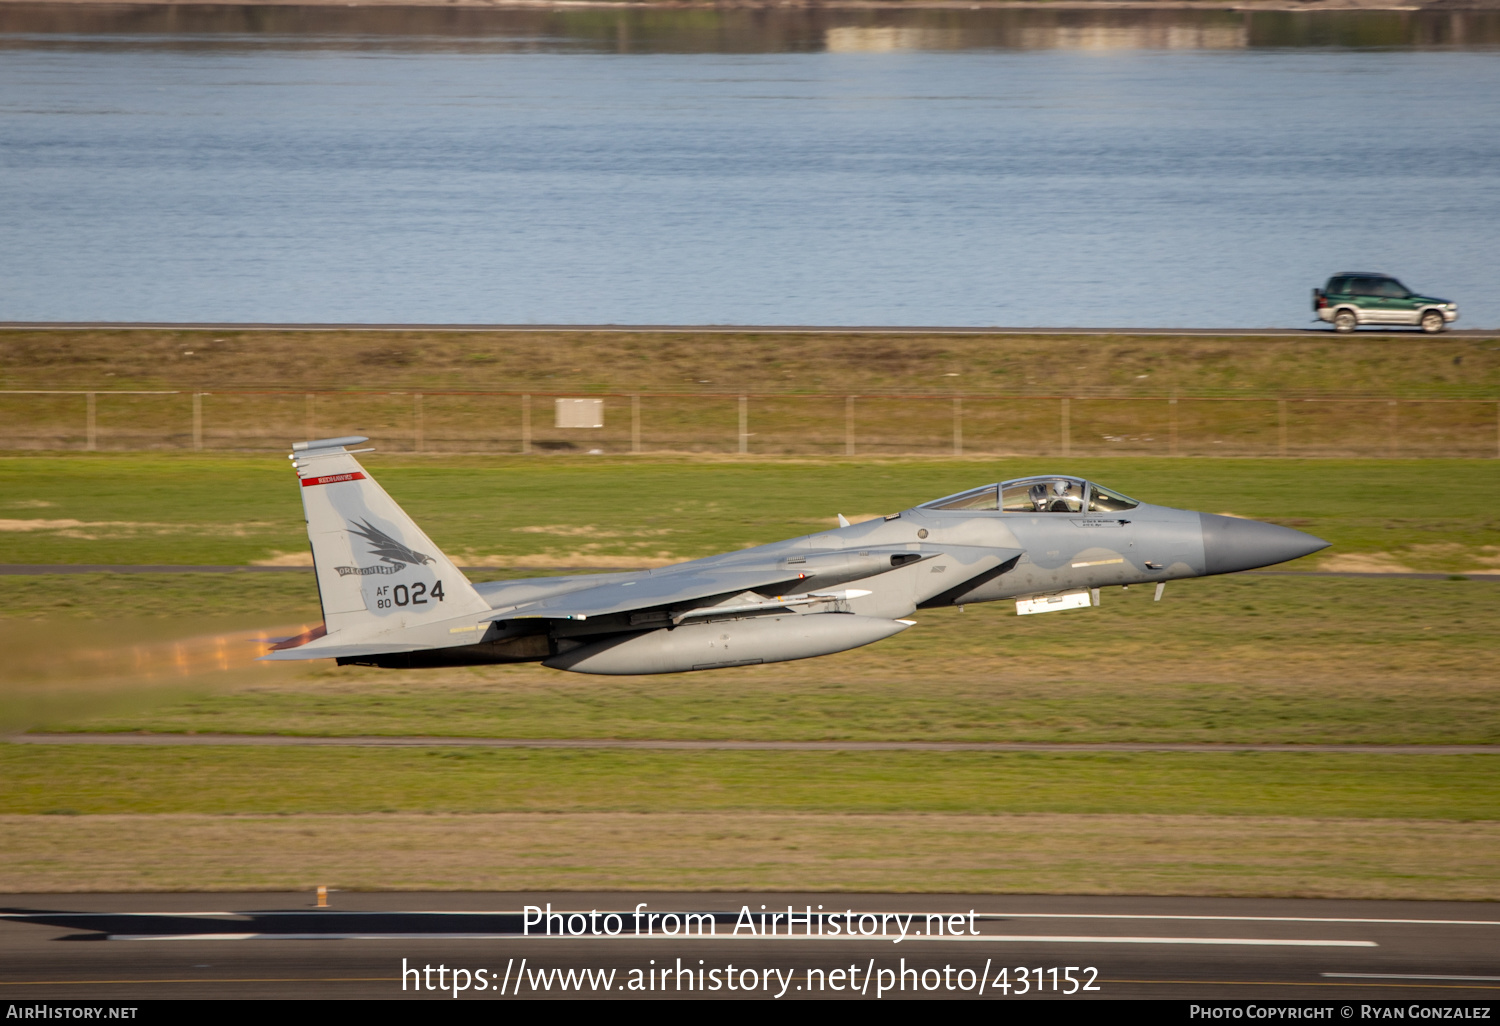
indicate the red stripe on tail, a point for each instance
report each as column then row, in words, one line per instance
column 308, row 482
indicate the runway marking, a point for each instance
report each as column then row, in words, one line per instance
column 207, row 979
column 207, row 915
column 1018, row 938
column 1411, row 976
column 315, row 936
column 1250, row 941
column 983, row 916
column 1238, row 919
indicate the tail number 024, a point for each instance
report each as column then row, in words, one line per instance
column 416, row 595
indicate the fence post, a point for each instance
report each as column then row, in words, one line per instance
column 312, row 425
column 197, row 421
column 418, row 441
column 635, row 423
column 1067, row 431
column 90, row 425
column 744, row 424
column 1172, row 426
column 1281, row 427
column 958, row 425
column 1394, row 409
column 525, row 423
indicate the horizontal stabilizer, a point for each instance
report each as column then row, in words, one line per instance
column 337, row 651
column 453, row 633
column 328, row 443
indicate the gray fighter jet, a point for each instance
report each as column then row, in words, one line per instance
column 391, row 598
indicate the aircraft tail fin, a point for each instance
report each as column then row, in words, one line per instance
column 377, row 570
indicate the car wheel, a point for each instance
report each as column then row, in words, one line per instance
column 1344, row 321
column 1432, row 322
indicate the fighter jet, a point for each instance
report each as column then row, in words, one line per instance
column 1051, row 542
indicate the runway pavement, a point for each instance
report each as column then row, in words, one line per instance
column 140, row 946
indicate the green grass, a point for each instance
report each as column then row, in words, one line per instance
column 1242, row 659
column 1233, row 659
column 97, row 780
column 268, row 599
column 232, row 509
column 1261, row 659
column 258, row 390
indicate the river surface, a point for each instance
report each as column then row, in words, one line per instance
column 1025, row 168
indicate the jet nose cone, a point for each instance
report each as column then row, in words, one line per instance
column 1231, row 544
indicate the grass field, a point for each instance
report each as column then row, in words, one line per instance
column 1332, row 825
column 1246, row 658
column 1310, row 824
column 1313, row 396
column 73, row 780
column 1270, row 660
column 747, row 851
column 1440, row 515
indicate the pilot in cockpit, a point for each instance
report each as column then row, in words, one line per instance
column 1056, row 496
column 1036, row 495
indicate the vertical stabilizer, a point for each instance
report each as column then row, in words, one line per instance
column 377, row 570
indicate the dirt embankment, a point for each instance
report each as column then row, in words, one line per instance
column 714, row 364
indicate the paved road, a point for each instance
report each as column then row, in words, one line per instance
column 278, row 740
column 278, row 945
column 723, row 329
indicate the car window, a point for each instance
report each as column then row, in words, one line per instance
column 1337, row 286
column 1390, row 288
column 1365, row 286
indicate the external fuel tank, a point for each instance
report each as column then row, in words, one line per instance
column 743, row 642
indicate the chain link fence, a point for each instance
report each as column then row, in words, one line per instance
column 823, row 425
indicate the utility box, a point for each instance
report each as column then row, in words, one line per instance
column 580, row 413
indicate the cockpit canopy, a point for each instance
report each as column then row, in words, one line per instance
column 1049, row 494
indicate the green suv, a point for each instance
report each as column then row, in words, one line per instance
column 1360, row 297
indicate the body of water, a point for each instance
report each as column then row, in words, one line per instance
column 1026, row 168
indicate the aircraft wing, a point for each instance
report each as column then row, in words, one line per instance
column 645, row 592
column 648, row 592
